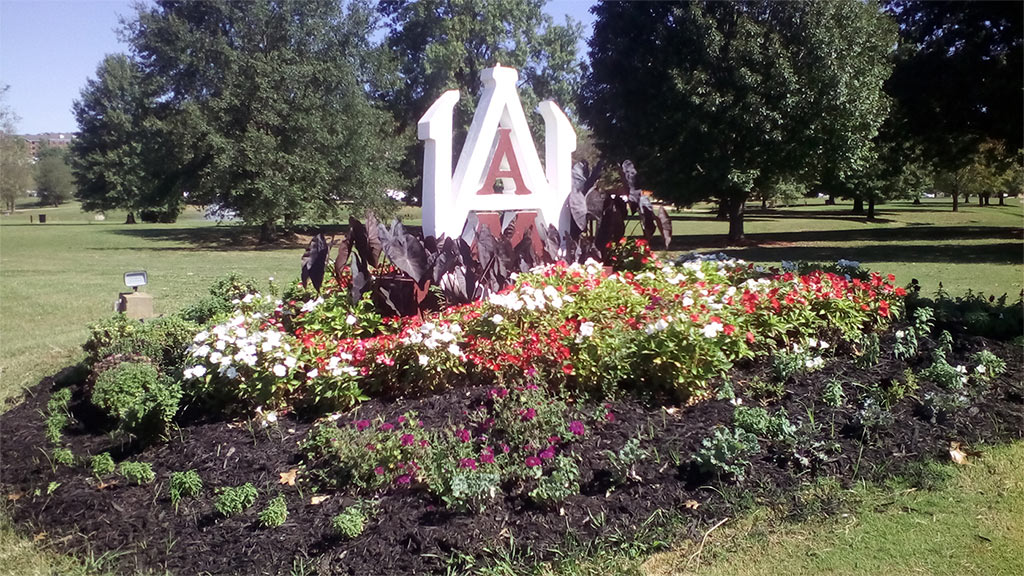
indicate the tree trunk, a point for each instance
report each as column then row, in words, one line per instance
column 831, row 201
column 988, row 199
column 858, row 205
column 267, row 231
column 723, row 209
column 1001, row 201
column 736, row 206
column 956, row 201
column 764, row 203
column 917, row 201
column 130, row 219
column 871, row 207
column 981, row 199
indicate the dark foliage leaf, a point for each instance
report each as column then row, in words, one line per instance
column 648, row 222
column 360, row 278
column 341, row 260
column 572, row 249
column 629, row 175
column 524, row 256
column 595, row 204
column 359, row 239
column 405, row 251
column 552, row 241
column 580, row 172
column 372, row 238
column 578, row 211
column 314, row 262
column 447, row 258
column 612, row 225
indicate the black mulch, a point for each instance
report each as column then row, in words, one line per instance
column 412, row 534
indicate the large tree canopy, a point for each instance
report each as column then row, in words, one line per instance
column 260, row 106
column 959, row 78
column 721, row 99
column 15, row 164
column 440, row 45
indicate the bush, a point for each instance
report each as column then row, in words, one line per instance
column 232, row 501
column 141, row 400
column 727, row 451
column 350, row 523
column 102, row 464
column 137, row 472
column 162, row 340
column 623, row 461
column 562, row 482
column 275, row 513
column 220, row 302
column 63, row 456
column 775, row 427
column 185, row 484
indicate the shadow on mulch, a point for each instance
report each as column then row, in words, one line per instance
column 412, row 533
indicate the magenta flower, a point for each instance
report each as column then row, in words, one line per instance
column 387, row 427
column 407, row 440
column 487, row 458
column 504, row 448
column 532, row 461
column 548, row 453
column 554, row 439
column 467, row 463
column 379, row 470
column 463, row 435
column 576, row 427
column 528, row 414
column 609, row 417
column 401, row 419
column 424, row 443
column 403, row 479
column 362, row 425
column 371, row 447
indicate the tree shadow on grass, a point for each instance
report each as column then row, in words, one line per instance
column 881, row 235
column 1008, row 253
column 226, row 238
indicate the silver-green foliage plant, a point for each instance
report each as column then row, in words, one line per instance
column 137, row 472
column 562, row 482
column 102, row 464
column 624, row 461
column 351, row 522
column 234, row 500
column 186, row 484
column 275, row 513
column 759, row 422
column 727, row 452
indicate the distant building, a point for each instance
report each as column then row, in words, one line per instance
column 52, row 139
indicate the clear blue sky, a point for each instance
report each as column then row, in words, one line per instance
column 48, row 48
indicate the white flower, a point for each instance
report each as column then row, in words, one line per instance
column 497, row 318
column 424, row 359
column 312, row 373
column 201, row 336
column 289, row 362
column 812, row 342
column 687, row 301
column 961, row 369
column 351, row 320
column 455, row 328
column 431, row 343
column 660, row 325
column 198, row 371
column 980, row 369
column 736, row 401
column 587, row 329
column 247, row 299
column 453, row 349
column 201, row 351
column 280, row 370
column 220, row 345
column 823, row 345
column 231, row 373
column 550, row 292
column 900, row 334
column 711, row 330
column 215, row 357
column 788, row 266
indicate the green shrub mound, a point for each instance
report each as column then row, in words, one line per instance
column 163, row 340
column 135, row 395
column 234, row 500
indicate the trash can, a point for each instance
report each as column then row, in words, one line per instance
column 42, row 218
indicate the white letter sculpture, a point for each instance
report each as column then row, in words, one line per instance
column 498, row 147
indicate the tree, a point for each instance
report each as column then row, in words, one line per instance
column 730, row 98
column 959, row 75
column 15, row 164
column 116, row 156
column 261, row 108
column 54, row 182
column 441, row 45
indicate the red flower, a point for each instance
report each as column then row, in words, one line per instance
column 750, row 337
column 729, row 329
column 883, row 308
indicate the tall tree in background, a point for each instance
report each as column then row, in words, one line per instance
column 959, row 76
column 724, row 99
column 54, row 183
column 261, row 108
column 440, row 45
column 15, row 164
column 115, row 157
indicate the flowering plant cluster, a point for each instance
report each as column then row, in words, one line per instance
column 668, row 327
column 516, row 436
column 632, row 255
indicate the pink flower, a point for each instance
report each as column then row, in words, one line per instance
column 424, row 443
column 487, row 457
column 504, row 448
column 379, row 470
column 463, row 435
column 498, row 393
column 548, row 453
column 401, row 419
column 387, row 427
column 609, row 417
column 371, row 447
column 554, row 439
column 362, row 425
column 528, row 414
column 532, row 461
column 403, row 479
column 467, row 463
column 576, row 427
column 407, row 440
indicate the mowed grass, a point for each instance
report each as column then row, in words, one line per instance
column 974, row 525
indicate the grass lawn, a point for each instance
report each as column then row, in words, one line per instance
column 58, row 277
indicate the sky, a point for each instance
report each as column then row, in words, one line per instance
column 49, row 48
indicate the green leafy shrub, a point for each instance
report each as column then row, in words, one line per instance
column 988, row 366
column 137, row 472
column 944, row 374
column 186, row 484
column 55, row 423
column 762, row 389
column 232, row 501
column 833, row 394
column 220, row 302
column 102, row 464
column 867, row 351
column 275, row 513
column 757, row 421
column 623, row 462
column 727, row 452
column 63, row 456
column 162, row 340
column 942, row 404
column 562, row 482
column 351, row 522
column 135, row 394
column 59, row 401
column 873, row 416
